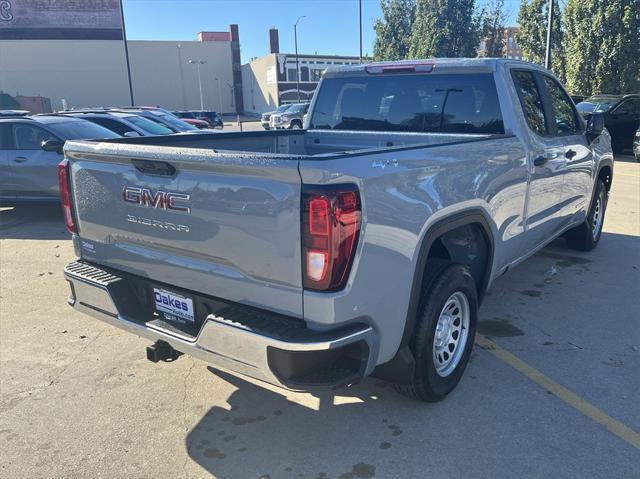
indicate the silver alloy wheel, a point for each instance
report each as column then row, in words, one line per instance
column 452, row 331
column 596, row 224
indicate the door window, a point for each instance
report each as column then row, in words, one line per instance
column 5, row 136
column 628, row 108
column 29, row 137
column 564, row 115
column 531, row 101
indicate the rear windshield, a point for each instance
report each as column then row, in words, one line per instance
column 463, row 103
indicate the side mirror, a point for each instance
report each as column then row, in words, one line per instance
column 52, row 145
column 132, row 134
column 595, row 126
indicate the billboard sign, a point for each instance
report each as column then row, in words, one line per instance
column 60, row 20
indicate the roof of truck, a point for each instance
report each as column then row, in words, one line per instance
column 426, row 65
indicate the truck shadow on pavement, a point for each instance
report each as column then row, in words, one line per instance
column 32, row 222
column 265, row 434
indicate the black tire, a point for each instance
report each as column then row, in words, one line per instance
column 444, row 279
column 583, row 237
column 295, row 125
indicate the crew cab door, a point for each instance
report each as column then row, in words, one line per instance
column 579, row 163
column 547, row 163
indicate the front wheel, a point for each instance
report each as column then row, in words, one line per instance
column 445, row 331
column 296, row 125
column 586, row 236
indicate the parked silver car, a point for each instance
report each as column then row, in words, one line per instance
column 266, row 117
column 30, row 151
column 292, row 118
column 636, row 145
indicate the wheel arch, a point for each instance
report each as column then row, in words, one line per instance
column 400, row 368
column 432, row 238
column 605, row 173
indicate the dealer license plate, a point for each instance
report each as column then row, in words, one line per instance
column 174, row 306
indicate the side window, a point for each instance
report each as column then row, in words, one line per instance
column 531, row 101
column 563, row 112
column 29, row 137
column 5, row 136
column 627, row 108
column 113, row 125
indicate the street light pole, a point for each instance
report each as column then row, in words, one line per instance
column 126, row 53
column 360, row 16
column 547, row 56
column 219, row 96
column 295, row 39
column 198, row 63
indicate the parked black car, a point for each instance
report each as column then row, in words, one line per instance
column 621, row 116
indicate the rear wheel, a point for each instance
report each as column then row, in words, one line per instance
column 445, row 331
column 586, row 236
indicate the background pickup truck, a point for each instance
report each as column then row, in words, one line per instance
column 362, row 244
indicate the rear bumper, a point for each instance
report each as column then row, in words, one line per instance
column 278, row 350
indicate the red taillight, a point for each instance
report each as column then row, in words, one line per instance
column 331, row 224
column 65, row 195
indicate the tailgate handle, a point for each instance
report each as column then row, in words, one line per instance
column 157, row 168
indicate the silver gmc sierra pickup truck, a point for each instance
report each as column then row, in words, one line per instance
column 360, row 245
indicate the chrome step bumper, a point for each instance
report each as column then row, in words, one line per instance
column 239, row 339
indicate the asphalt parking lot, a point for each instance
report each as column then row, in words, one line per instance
column 553, row 388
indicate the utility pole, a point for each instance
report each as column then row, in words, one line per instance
column 198, row 63
column 360, row 17
column 219, row 95
column 295, row 39
column 547, row 56
column 126, row 54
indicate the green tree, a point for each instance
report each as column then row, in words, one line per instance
column 602, row 45
column 393, row 31
column 532, row 34
column 444, row 29
column 492, row 25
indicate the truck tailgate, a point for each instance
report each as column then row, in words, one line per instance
column 221, row 224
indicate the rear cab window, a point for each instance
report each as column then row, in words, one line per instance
column 419, row 103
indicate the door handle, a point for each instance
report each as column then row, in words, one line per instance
column 570, row 154
column 539, row 161
column 20, row 159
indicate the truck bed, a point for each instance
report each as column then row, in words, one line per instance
column 301, row 143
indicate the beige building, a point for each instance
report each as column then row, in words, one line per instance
column 271, row 80
column 92, row 73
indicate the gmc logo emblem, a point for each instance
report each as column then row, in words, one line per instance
column 164, row 200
